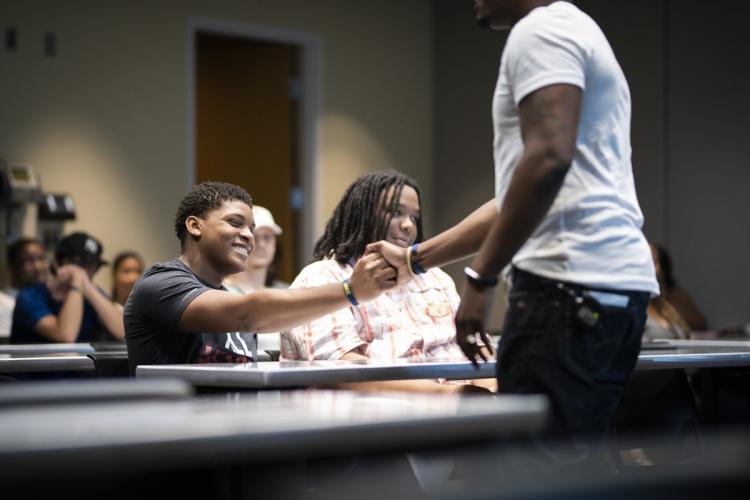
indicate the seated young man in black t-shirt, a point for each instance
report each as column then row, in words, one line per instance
column 179, row 312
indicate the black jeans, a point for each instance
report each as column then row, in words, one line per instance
column 581, row 368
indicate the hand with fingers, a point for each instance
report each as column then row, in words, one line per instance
column 470, row 321
column 396, row 257
column 372, row 276
column 70, row 275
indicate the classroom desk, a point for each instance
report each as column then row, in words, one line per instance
column 80, row 391
column 705, row 343
column 109, row 358
column 265, row 427
column 79, row 348
column 687, row 354
column 281, row 374
column 50, row 362
column 274, row 375
column 111, row 363
column 110, row 346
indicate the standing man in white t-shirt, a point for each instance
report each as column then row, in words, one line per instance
column 565, row 217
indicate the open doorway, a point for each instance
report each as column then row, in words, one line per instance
column 252, row 125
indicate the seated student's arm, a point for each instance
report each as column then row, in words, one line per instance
column 110, row 315
column 65, row 326
column 270, row 310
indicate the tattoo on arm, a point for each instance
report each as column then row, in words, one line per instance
column 550, row 115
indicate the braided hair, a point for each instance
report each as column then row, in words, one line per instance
column 363, row 215
column 204, row 197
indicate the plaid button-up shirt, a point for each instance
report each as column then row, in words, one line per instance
column 415, row 321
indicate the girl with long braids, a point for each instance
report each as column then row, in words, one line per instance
column 413, row 322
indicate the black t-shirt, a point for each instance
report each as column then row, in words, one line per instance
column 152, row 318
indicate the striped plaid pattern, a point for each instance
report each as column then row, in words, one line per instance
column 414, row 322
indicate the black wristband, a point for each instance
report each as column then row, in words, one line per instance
column 478, row 280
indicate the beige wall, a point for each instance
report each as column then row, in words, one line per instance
column 106, row 120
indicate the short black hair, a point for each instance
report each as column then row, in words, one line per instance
column 14, row 250
column 362, row 216
column 203, row 198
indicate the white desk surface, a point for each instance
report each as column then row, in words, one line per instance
column 280, row 374
column 698, row 344
column 696, row 354
column 79, row 348
column 680, row 355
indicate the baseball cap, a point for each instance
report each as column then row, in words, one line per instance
column 80, row 246
column 263, row 218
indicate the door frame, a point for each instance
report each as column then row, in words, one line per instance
column 310, row 76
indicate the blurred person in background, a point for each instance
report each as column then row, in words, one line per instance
column 673, row 314
column 261, row 264
column 68, row 307
column 260, row 271
column 27, row 265
column 126, row 269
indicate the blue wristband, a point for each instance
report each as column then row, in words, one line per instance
column 415, row 267
column 349, row 294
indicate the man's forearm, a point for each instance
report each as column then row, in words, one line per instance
column 461, row 240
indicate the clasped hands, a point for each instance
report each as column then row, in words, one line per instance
column 69, row 276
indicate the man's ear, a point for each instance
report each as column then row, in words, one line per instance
column 194, row 226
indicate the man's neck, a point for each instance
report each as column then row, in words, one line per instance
column 201, row 267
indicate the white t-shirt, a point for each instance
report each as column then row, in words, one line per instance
column 592, row 233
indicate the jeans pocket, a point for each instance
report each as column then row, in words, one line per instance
column 528, row 311
column 531, row 323
column 603, row 353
